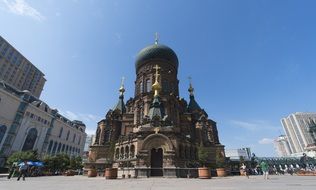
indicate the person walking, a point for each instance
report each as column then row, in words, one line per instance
column 265, row 169
column 12, row 170
column 244, row 170
column 303, row 161
column 23, row 170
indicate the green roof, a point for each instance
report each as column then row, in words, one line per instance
column 156, row 51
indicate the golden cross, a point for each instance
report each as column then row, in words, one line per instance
column 157, row 74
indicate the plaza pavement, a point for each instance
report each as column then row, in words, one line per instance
column 285, row 182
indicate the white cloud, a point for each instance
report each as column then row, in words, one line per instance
column 265, row 141
column 90, row 131
column 81, row 116
column 21, row 7
column 253, row 125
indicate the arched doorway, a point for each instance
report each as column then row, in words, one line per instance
column 156, row 162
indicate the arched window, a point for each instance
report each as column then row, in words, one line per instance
column 148, row 85
column 126, row 152
column 59, row 147
column 50, row 146
column 30, row 140
column 122, row 153
column 54, row 148
column 141, row 89
column 67, row 136
column 60, row 132
column 63, row 148
column 79, row 140
column 3, row 129
column 74, row 138
column 132, row 154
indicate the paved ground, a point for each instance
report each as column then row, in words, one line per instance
column 228, row 183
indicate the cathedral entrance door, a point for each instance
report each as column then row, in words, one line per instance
column 156, row 162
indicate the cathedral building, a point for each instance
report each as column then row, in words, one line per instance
column 155, row 130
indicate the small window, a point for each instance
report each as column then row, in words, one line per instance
column 60, row 132
column 141, row 89
column 68, row 133
column 148, row 85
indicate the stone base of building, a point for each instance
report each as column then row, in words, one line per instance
column 170, row 172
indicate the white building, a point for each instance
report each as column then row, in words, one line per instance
column 235, row 154
column 89, row 141
column 282, row 146
column 27, row 123
column 297, row 127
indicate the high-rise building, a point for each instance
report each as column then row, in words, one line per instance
column 282, row 146
column 89, row 141
column 299, row 129
column 19, row 72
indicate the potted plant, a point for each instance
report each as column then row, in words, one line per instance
column 110, row 173
column 220, row 165
column 204, row 172
column 92, row 172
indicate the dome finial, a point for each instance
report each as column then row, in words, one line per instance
column 191, row 89
column 156, row 86
column 122, row 89
column 156, row 38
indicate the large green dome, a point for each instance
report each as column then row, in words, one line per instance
column 156, row 51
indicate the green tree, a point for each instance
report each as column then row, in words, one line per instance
column 22, row 155
column 203, row 153
column 60, row 162
column 75, row 163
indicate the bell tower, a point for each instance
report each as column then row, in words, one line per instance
column 149, row 60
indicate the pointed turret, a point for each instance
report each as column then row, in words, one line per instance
column 120, row 104
column 193, row 105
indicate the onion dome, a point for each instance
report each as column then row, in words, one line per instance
column 156, row 51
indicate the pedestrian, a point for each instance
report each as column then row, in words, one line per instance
column 12, row 170
column 303, row 161
column 23, row 170
column 244, row 170
column 265, row 169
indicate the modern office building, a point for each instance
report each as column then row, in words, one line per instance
column 282, row 146
column 300, row 131
column 19, row 72
column 27, row 123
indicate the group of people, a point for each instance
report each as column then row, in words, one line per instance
column 21, row 169
column 264, row 168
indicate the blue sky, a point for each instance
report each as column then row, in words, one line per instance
column 251, row 62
